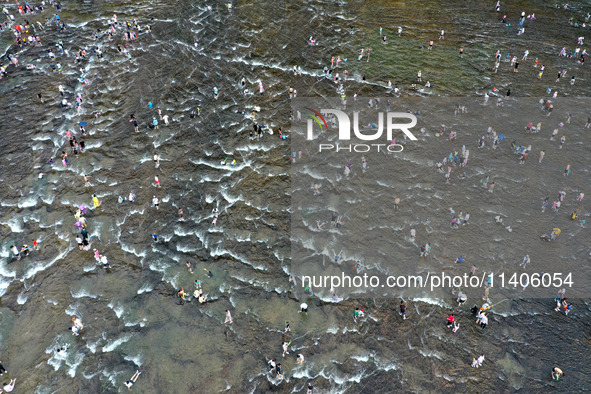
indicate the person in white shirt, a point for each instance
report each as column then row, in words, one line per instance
column 10, row 386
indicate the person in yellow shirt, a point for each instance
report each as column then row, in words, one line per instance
column 95, row 201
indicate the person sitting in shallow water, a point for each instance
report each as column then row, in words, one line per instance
column 62, row 351
column 8, row 387
column 557, row 373
column 133, row 379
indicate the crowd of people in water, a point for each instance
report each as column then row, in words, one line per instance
column 119, row 35
column 457, row 161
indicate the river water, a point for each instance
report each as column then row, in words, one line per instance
column 132, row 317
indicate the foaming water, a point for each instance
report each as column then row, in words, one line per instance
column 131, row 315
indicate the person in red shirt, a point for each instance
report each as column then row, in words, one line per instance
column 450, row 320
